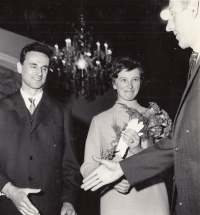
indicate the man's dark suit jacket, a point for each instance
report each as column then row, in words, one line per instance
column 38, row 154
column 182, row 149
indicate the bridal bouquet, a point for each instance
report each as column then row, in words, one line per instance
column 153, row 124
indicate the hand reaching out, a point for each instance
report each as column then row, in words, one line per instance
column 106, row 173
column 123, row 186
column 20, row 199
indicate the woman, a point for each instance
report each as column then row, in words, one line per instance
column 104, row 134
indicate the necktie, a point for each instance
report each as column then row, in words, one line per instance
column 32, row 105
column 192, row 62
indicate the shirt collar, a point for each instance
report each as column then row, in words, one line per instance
column 25, row 96
column 197, row 49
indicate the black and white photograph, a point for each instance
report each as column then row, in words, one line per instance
column 100, row 107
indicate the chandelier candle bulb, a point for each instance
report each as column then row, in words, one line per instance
column 109, row 52
column 68, row 43
column 56, row 47
column 64, row 62
column 106, row 47
column 98, row 46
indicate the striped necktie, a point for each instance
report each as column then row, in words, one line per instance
column 192, row 63
column 32, row 105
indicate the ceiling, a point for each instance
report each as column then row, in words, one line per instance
column 120, row 23
column 130, row 27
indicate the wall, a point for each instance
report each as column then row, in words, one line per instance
column 12, row 44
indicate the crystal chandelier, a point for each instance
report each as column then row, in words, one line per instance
column 82, row 72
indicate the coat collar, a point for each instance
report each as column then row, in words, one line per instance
column 19, row 104
column 188, row 87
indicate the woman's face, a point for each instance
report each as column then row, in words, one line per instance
column 127, row 84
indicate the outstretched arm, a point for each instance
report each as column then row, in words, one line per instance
column 139, row 167
column 149, row 162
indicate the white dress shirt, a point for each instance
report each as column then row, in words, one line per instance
column 26, row 97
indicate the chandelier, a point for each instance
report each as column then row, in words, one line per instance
column 82, row 71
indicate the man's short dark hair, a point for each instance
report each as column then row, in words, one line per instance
column 37, row 47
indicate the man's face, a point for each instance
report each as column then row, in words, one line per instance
column 34, row 70
column 127, row 84
column 181, row 23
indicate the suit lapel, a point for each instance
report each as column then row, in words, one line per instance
column 19, row 105
column 194, row 73
column 41, row 111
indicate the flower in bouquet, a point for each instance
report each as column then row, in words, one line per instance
column 157, row 125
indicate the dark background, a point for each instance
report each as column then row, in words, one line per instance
column 131, row 28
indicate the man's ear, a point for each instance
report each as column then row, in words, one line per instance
column 19, row 67
column 194, row 4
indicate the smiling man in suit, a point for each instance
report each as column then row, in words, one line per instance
column 182, row 148
column 37, row 153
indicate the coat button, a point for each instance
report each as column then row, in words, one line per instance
column 176, row 149
column 30, row 178
column 180, row 203
column 31, row 158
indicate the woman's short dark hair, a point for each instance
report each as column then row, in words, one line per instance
column 127, row 63
column 37, row 47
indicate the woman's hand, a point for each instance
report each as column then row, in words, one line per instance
column 68, row 209
column 132, row 139
column 122, row 187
